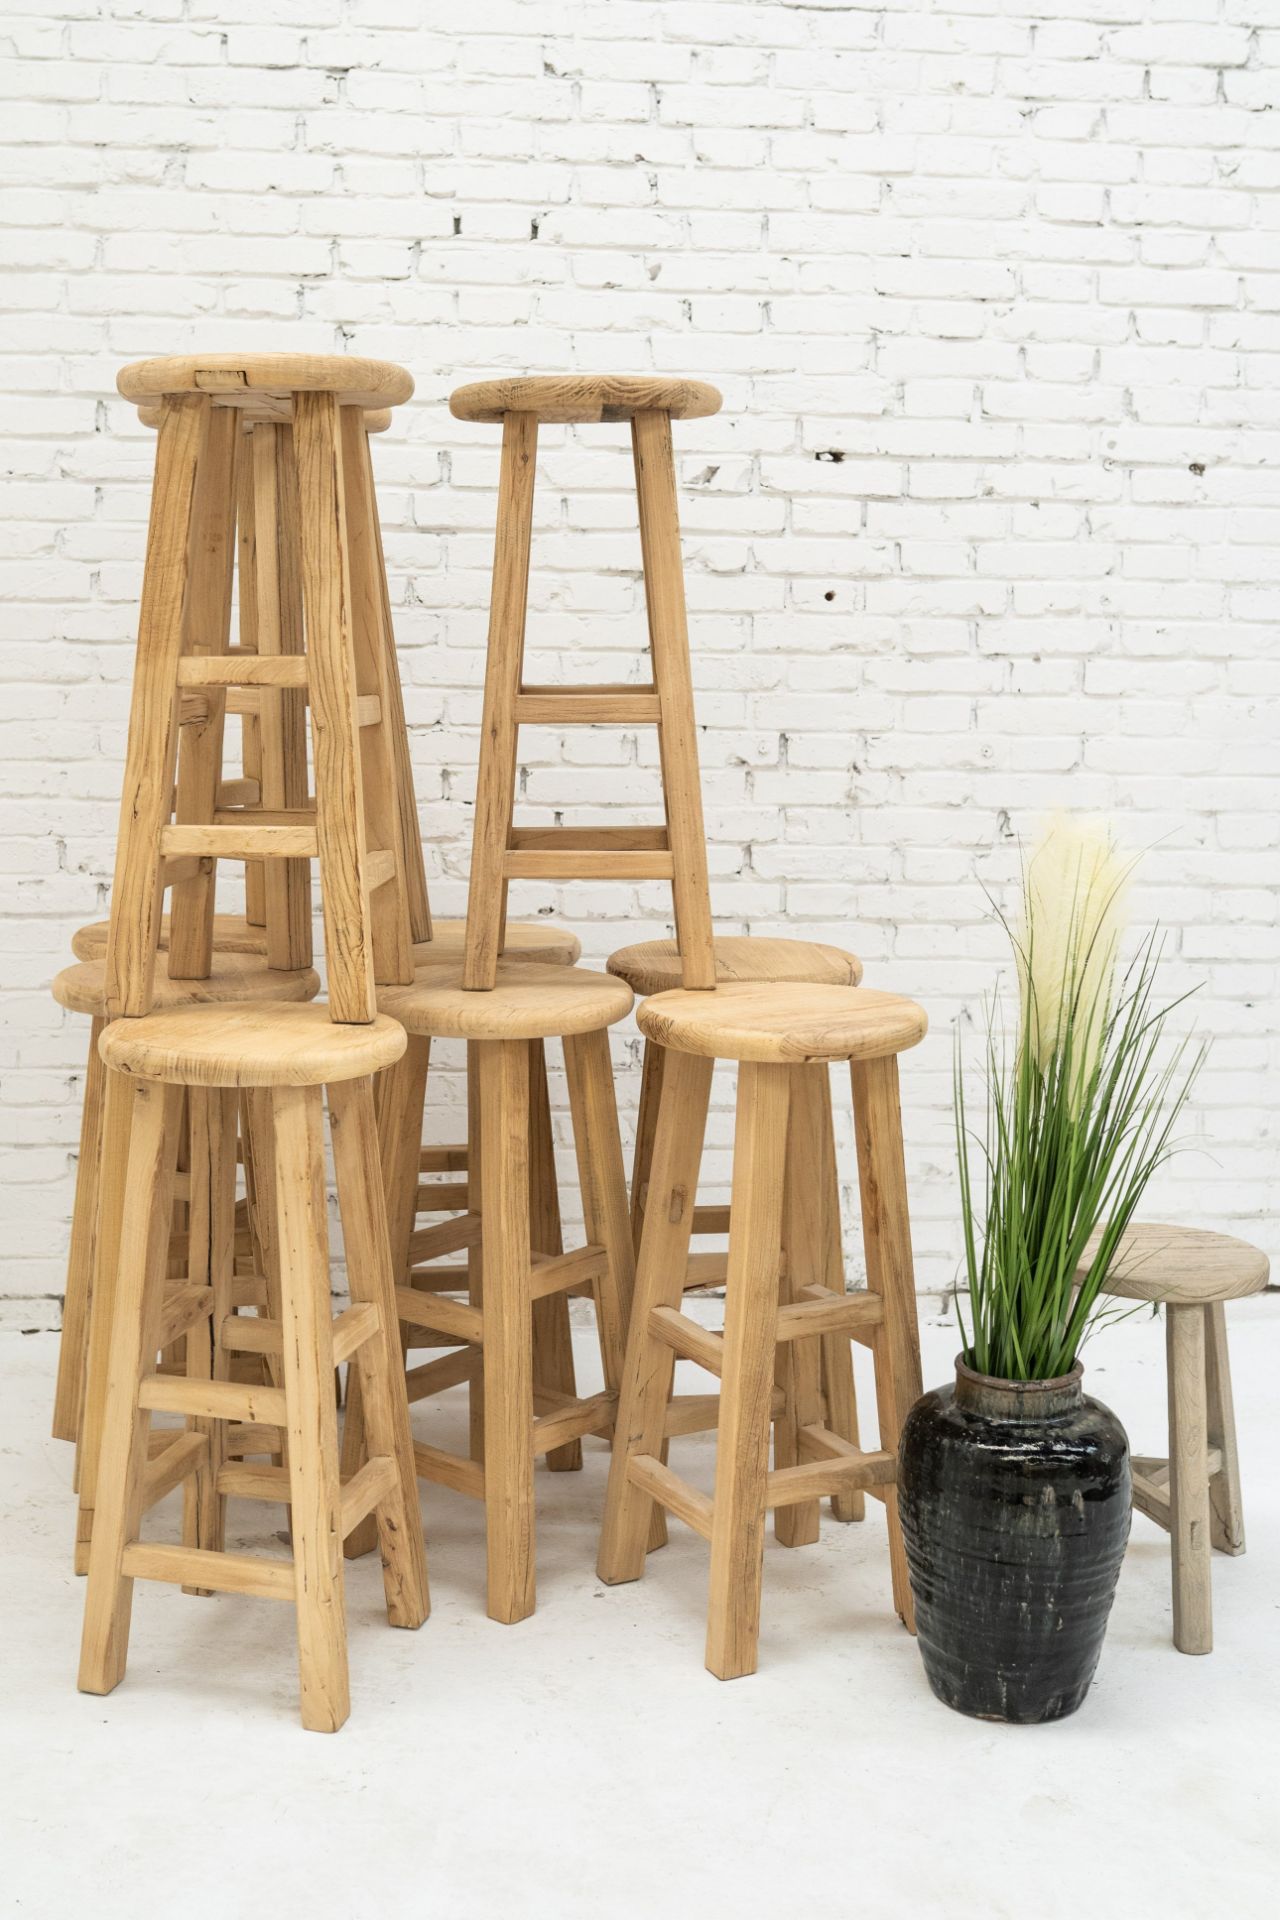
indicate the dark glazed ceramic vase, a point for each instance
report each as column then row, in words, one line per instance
column 1015, row 1510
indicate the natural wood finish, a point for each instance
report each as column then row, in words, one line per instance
column 235, row 379
column 1226, row 1509
column 1189, row 1480
column 1182, row 1265
column 797, row 1358
column 542, row 941
column 82, row 988
column 579, row 706
column 508, row 1352
column 553, row 1365
column 250, row 1045
column 654, row 965
column 654, row 463
column 112, row 1176
column 652, row 1477
column 450, row 1470
column 576, row 864
column 529, row 1001
column 202, row 1572
column 68, row 1401
column 495, row 790
column 784, row 1023
column 583, row 397
column 231, row 934
column 687, row 1339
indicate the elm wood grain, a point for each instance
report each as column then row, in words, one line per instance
column 529, row 1001
column 231, row 934
column 561, row 398
column 653, row 966
column 784, row 1022
column 1183, row 1266
column 250, row 1045
column 68, row 1399
column 235, row 378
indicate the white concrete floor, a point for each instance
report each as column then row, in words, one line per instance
column 585, row 1764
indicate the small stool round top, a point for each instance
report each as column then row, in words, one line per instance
column 539, row 940
column 564, row 397
column 1181, row 1266
column 783, row 1023
column 530, row 1002
column 232, row 933
column 250, row 1045
column 234, row 976
column 654, row 966
column 235, row 379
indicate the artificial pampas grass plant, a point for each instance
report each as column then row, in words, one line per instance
column 1079, row 1116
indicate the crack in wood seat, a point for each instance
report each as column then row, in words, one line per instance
column 564, row 398
column 82, row 988
column 783, row 1023
column 1182, row 1266
column 250, row 1045
column 529, row 1002
column 654, row 966
column 251, row 379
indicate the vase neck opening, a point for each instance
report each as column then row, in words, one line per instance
column 1018, row 1399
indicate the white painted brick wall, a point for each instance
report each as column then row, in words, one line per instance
column 988, row 523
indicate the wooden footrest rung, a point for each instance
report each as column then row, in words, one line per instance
column 436, row 1376
column 711, row 1219
column 449, row 1470
column 820, row 1446
column 438, row 1314
column 557, row 1272
column 828, row 1471
column 212, row 1399
column 700, row 1412
column 379, row 868
column 587, row 863
column 646, row 1471
column 186, row 1450
column 449, row 1197
column 184, row 1308
column 246, row 1437
column 366, row 1490
column 821, row 1310
column 438, row 1279
column 594, row 1415
column 443, row 1160
column 200, row 1567
column 235, row 669
column 605, row 705
column 687, row 1338
column 356, row 1324
column 239, row 843
column 451, row 1236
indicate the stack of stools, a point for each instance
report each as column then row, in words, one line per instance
column 321, row 657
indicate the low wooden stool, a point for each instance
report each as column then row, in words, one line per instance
column 104, row 1125
column 781, row 1035
column 285, row 1055
column 515, row 1417
column 654, row 967
column 501, row 851
column 1194, row 1494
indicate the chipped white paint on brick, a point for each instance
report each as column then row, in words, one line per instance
column 989, row 521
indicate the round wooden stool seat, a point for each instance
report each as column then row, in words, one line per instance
column 783, row 1023
column 250, row 1045
column 235, row 976
column 558, row 398
column 239, row 379
column 655, row 965
column 232, row 933
column 535, row 940
column 1183, row 1266
column 530, row 1002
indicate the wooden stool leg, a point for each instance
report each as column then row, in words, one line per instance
column 113, row 1173
column 886, row 1231
column 137, row 1304
column 255, row 895
column 210, row 1263
column 508, row 1330
column 672, row 678
column 314, row 1490
column 798, row 1364
column 378, row 1362
column 68, row 1399
column 649, row 1363
column 552, row 1339
column 646, row 1126
column 475, row 1252
column 746, row 1384
column 603, row 1185
column 1226, row 1509
column 495, row 789
column 837, row 1348
column 1189, row 1480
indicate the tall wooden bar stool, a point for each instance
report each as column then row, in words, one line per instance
column 515, row 1416
column 283, row 1056
column 654, row 967
column 83, row 1352
column 1194, row 1494
column 766, row 1359
column 501, row 851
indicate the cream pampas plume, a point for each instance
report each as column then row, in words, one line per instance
column 1075, row 888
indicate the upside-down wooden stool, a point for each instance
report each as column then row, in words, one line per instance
column 501, row 851
column 336, row 656
column 1194, row 1494
column 284, row 1055
column 654, row 967
column 515, row 1415
column 776, row 1291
